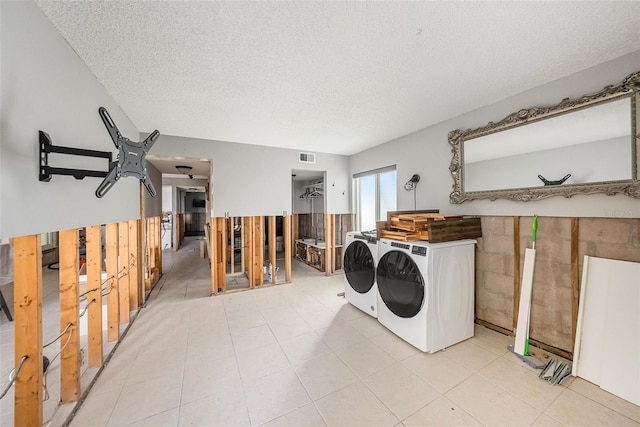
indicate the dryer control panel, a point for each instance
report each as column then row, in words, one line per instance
column 419, row 250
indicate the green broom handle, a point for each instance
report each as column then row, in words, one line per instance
column 534, row 231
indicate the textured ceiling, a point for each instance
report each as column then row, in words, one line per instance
column 331, row 76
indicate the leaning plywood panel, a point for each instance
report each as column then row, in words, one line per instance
column 621, row 350
column 608, row 336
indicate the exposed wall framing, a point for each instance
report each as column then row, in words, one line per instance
column 78, row 298
column 560, row 248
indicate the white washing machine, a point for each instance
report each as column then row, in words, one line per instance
column 426, row 291
column 359, row 262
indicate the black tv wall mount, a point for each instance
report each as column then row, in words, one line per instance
column 131, row 160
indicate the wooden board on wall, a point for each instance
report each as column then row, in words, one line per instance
column 134, row 284
column 112, row 285
column 69, row 314
column 94, row 289
column 123, row 271
column 272, row 249
column 27, row 317
column 288, row 244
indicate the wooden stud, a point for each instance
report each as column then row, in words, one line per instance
column 575, row 277
column 142, row 292
column 516, row 269
column 140, row 233
column 225, row 244
column 134, row 284
column 69, row 314
column 287, row 248
column 259, row 245
column 159, row 245
column 295, row 230
column 244, row 255
column 123, row 271
column 333, row 243
column 251, row 273
column 152, row 252
column 210, row 231
column 112, row 288
column 272, row 248
column 328, row 247
column 220, row 243
column 27, row 317
column 94, row 283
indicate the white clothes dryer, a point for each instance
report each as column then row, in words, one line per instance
column 426, row 291
column 359, row 262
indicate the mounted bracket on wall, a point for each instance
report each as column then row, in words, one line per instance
column 131, row 159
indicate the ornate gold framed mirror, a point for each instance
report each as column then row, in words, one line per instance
column 580, row 146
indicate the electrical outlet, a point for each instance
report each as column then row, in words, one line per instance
column 83, row 356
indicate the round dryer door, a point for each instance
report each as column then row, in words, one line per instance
column 359, row 267
column 400, row 284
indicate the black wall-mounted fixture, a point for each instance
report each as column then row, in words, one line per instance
column 131, row 160
column 411, row 184
column 557, row 182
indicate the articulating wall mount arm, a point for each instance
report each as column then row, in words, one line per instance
column 131, row 160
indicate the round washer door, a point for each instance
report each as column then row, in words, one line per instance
column 400, row 284
column 359, row 267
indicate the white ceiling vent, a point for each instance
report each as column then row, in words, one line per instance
column 307, row 157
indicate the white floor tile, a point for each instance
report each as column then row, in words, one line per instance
column 274, row 395
column 490, row 404
column 262, row 361
column 605, row 398
column 223, row 408
column 210, row 377
column 441, row 412
column 142, row 400
column 340, row 335
column 252, row 338
column 401, row 390
column 573, row 409
column 307, row 416
column 394, row 346
column 470, row 355
column 323, row 375
column 364, row 358
column 304, row 347
column 355, row 405
column 438, row 370
column 520, row 382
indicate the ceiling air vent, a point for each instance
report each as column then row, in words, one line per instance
column 307, row 157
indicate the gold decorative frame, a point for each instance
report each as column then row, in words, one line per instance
column 629, row 87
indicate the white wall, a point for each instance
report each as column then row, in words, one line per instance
column 153, row 205
column 167, row 198
column 255, row 180
column 45, row 86
column 427, row 152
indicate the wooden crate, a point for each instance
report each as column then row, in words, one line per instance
column 417, row 222
column 429, row 225
column 454, row 229
column 403, row 236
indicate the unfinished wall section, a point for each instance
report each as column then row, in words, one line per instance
column 494, row 272
column 554, row 300
column 616, row 238
column 551, row 294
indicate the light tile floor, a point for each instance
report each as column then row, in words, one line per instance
column 299, row 355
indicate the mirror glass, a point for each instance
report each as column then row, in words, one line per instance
column 579, row 146
column 592, row 145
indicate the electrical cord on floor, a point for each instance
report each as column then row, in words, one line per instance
column 44, row 377
column 13, row 376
